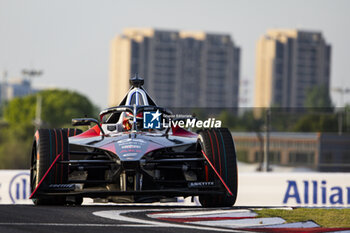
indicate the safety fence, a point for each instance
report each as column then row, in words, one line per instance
column 254, row 189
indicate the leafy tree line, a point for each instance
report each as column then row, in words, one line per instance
column 287, row 121
column 318, row 115
column 16, row 135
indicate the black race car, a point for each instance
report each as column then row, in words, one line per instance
column 130, row 156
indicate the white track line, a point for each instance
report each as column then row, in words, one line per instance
column 307, row 224
column 184, row 203
column 71, row 224
column 190, row 215
column 340, row 231
column 199, row 213
column 251, row 222
column 274, row 208
column 117, row 215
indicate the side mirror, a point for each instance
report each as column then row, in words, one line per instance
column 83, row 121
column 86, row 121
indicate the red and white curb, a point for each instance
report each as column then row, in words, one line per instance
column 245, row 220
column 223, row 220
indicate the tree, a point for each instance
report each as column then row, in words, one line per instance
column 347, row 118
column 58, row 107
column 228, row 120
column 320, row 116
column 1, row 109
column 318, row 97
column 317, row 122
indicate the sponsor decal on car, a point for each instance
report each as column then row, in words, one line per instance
column 129, row 140
column 130, row 146
column 200, row 184
column 129, row 154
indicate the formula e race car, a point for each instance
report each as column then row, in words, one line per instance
column 131, row 155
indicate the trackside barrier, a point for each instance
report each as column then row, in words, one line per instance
column 254, row 189
column 14, row 187
column 294, row 189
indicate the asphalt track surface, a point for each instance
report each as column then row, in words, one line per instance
column 29, row 218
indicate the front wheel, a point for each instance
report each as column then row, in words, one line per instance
column 219, row 149
column 47, row 145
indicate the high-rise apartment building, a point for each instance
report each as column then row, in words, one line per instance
column 181, row 69
column 288, row 64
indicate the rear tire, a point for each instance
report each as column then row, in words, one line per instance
column 219, row 147
column 71, row 132
column 47, row 145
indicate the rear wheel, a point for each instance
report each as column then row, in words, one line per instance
column 70, row 132
column 219, row 147
column 47, row 145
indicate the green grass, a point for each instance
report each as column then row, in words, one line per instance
column 323, row 217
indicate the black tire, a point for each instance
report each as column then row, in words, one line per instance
column 78, row 201
column 74, row 201
column 219, row 147
column 70, row 132
column 47, row 145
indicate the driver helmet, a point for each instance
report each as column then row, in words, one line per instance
column 128, row 120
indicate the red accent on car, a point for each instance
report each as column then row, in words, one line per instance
column 139, row 115
column 37, row 139
column 93, row 132
column 110, row 147
column 47, row 172
column 216, row 172
column 36, row 135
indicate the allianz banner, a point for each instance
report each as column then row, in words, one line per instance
column 14, row 187
column 294, row 189
column 254, row 189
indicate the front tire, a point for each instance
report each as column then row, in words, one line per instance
column 47, row 145
column 219, row 147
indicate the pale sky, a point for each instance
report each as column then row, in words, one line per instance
column 70, row 39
